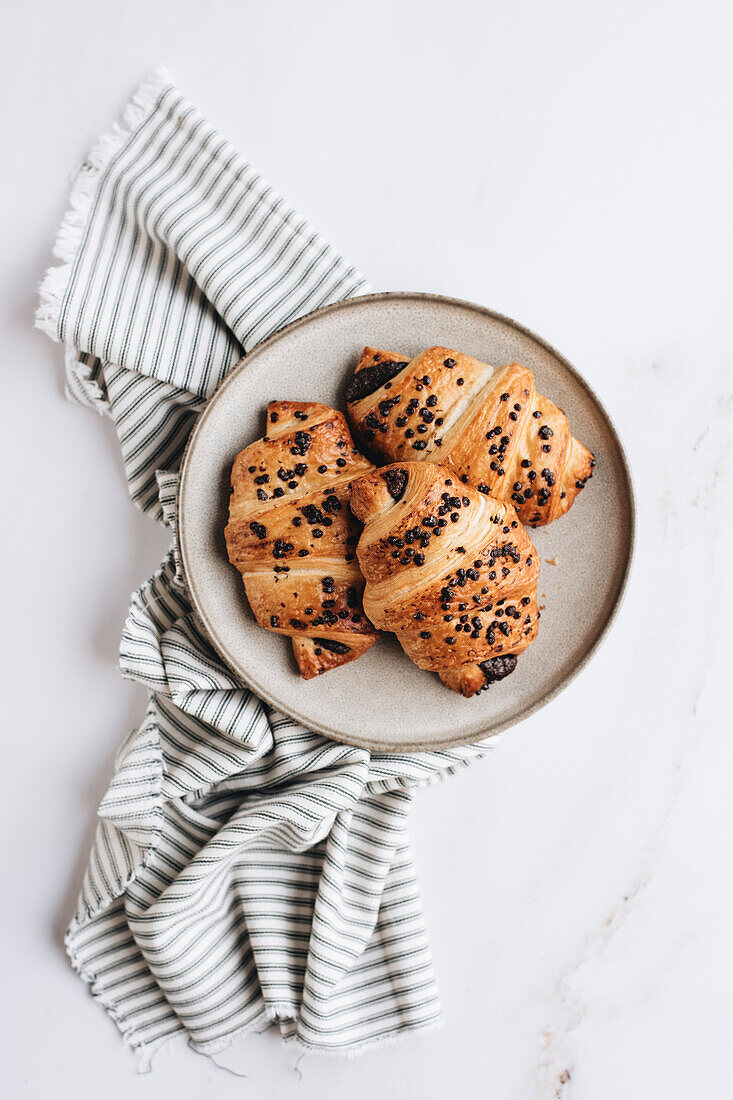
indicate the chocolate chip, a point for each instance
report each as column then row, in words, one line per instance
column 396, row 481
column 312, row 514
column 281, row 548
column 370, row 379
column 333, row 646
column 388, row 403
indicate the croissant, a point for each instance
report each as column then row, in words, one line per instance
column 449, row 570
column 293, row 538
column 490, row 426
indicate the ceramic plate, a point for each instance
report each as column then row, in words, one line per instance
column 382, row 700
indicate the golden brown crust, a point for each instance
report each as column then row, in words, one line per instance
column 293, row 537
column 490, row 426
column 449, row 570
column 468, row 680
column 314, row 657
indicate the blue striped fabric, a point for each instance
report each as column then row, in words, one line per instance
column 245, row 871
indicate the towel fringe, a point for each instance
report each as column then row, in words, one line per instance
column 272, row 1015
column 84, row 185
column 81, row 387
column 366, row 1046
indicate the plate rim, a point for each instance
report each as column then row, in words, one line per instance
column 249, row 681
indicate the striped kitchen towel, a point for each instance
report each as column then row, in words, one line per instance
column 245, row 871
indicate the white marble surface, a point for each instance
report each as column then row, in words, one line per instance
column 568, row 164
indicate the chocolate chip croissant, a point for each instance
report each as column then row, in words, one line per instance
column 293, row 537
column 449, row 570
column 490, row 426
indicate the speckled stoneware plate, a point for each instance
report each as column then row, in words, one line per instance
column 383, row 701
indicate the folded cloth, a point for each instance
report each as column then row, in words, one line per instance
column 245, row 872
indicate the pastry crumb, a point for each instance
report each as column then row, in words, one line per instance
column 551, row 561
